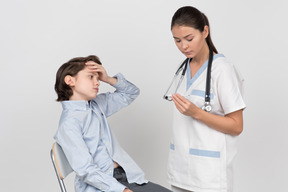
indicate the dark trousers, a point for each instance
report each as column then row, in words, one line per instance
column 120, row 175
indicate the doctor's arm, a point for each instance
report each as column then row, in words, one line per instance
column 231, row 123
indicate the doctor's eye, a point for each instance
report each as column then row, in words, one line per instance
column 190, row 39
column 177, row 40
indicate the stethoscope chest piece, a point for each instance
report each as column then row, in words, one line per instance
column 207, row 107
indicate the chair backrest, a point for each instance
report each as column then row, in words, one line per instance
column 61, row 164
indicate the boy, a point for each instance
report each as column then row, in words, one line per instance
column 98, row 160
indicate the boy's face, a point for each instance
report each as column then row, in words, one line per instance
column 85, row 85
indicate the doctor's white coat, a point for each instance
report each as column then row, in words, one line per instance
column 200, row 158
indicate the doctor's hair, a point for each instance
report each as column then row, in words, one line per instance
column 191, row 17
column 72, row 67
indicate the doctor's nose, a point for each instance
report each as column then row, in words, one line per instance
column 184, row 46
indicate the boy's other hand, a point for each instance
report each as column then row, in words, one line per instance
column 127, row 190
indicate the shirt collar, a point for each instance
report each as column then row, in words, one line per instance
column 79, row 105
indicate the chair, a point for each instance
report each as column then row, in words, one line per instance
column 61, row 164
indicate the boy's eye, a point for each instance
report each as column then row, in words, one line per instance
column 91, row 76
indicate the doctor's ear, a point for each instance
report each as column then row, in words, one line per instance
column 206, row 31
column 69, row 80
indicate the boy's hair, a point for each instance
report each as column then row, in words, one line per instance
column 72, row 67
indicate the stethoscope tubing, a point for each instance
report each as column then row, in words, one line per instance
column 208, row 77
column 182, row 67
column 207, row 106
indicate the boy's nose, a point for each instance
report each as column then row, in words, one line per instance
column 97, row 82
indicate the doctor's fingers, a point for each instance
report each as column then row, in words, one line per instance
column 180, row 99
column 179, row 104
column 179, row 107
column 185, row 106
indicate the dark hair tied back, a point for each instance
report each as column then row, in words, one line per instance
column 192, row 17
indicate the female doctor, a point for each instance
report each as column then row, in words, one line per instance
column 203, row 144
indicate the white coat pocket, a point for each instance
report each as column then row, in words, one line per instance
column 177, row 173
column 205, row 168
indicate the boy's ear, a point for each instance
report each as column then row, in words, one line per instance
column 69, row 80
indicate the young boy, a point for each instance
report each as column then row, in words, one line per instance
column 98, row 160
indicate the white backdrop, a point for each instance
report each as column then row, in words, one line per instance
column 133, row 37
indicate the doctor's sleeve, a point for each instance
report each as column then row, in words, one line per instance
column 229, row 91
column 69, row 137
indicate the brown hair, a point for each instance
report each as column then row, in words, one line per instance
column 192, row 17
column 72, row 67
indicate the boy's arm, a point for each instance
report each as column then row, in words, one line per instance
column 125, row 93
column 69, row 137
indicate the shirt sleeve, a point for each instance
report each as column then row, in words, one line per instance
column 125, row 93
column 229, row 89
column 69, row 137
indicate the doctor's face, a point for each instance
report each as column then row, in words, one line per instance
column 189, row 41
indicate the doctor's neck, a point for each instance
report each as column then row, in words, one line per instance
column 202, row 56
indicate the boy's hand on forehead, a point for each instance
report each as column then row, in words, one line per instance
column 97, row 68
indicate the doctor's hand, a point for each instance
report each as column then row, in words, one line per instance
column 185, row 106
column 103, row 76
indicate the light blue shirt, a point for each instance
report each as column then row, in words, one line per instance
column 89, row 145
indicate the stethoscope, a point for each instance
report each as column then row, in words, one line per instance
column 207, row 106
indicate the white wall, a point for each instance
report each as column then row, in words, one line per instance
column 134, row 37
